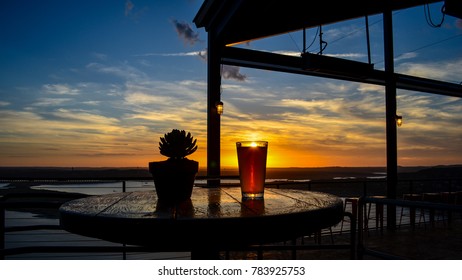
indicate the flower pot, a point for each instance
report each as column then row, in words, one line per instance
column 174, row 178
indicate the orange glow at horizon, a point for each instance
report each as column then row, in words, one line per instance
column 284, row 152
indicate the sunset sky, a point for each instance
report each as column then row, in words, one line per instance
column 96, row 83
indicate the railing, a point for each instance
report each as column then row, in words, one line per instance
column 343, row 188
column 422, row 205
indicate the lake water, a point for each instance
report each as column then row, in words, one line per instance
column 5, row 186
column 98, row 188
column 130, row 186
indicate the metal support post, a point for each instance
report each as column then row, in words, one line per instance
column 213, row 118
column 390, row 97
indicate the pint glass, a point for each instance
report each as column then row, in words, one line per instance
column 251, row 156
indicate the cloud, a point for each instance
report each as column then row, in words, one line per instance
column 73, row 95
column 370, row 88
column 405, row 56
column 140, row 98
column 430, row 127
column 123, row 71
column 62, row 137
column 165, row 105
column 450, row 70
column 60, row 89
column 352, row 31
column 289, row 53
column 157, row 117
column 72, row 124
column 49, row 102
column 132, row 12
column 161, row 105
column 3, row 103
column 82, row 116
column 340, row 55
column 322, row 107
column 346, row 55
column 185, row 32
column 128, row 7
column 91, row 102
column 232, row 73
column 100, row 56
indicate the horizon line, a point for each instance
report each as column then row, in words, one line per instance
column 232, row 167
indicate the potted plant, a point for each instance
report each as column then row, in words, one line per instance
column 174, row 177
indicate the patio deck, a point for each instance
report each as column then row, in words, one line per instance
column 442, row 241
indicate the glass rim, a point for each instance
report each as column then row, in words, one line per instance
column 252, row 143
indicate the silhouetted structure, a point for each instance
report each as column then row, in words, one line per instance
column 229, row 22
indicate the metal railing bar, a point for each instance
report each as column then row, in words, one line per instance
column 417, row 204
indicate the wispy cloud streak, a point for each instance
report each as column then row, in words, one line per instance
column 193, row 53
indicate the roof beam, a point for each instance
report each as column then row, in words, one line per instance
column 298, row 65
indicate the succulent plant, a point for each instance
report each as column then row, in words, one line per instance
column 177, row 144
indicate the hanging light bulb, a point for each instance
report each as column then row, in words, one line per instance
column 399, row 120
column 219, row 106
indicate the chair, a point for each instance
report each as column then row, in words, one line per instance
column 353, row 202
column 412, row 210
column 433, row 198
column 378, row 213
column 448, row 197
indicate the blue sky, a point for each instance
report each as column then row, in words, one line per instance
column 96, row 83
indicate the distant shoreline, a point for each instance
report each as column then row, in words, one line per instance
column 290, row 173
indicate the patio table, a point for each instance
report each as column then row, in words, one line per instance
column 214, row 219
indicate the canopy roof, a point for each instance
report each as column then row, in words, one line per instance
column 230, row 22
column 236, row 21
